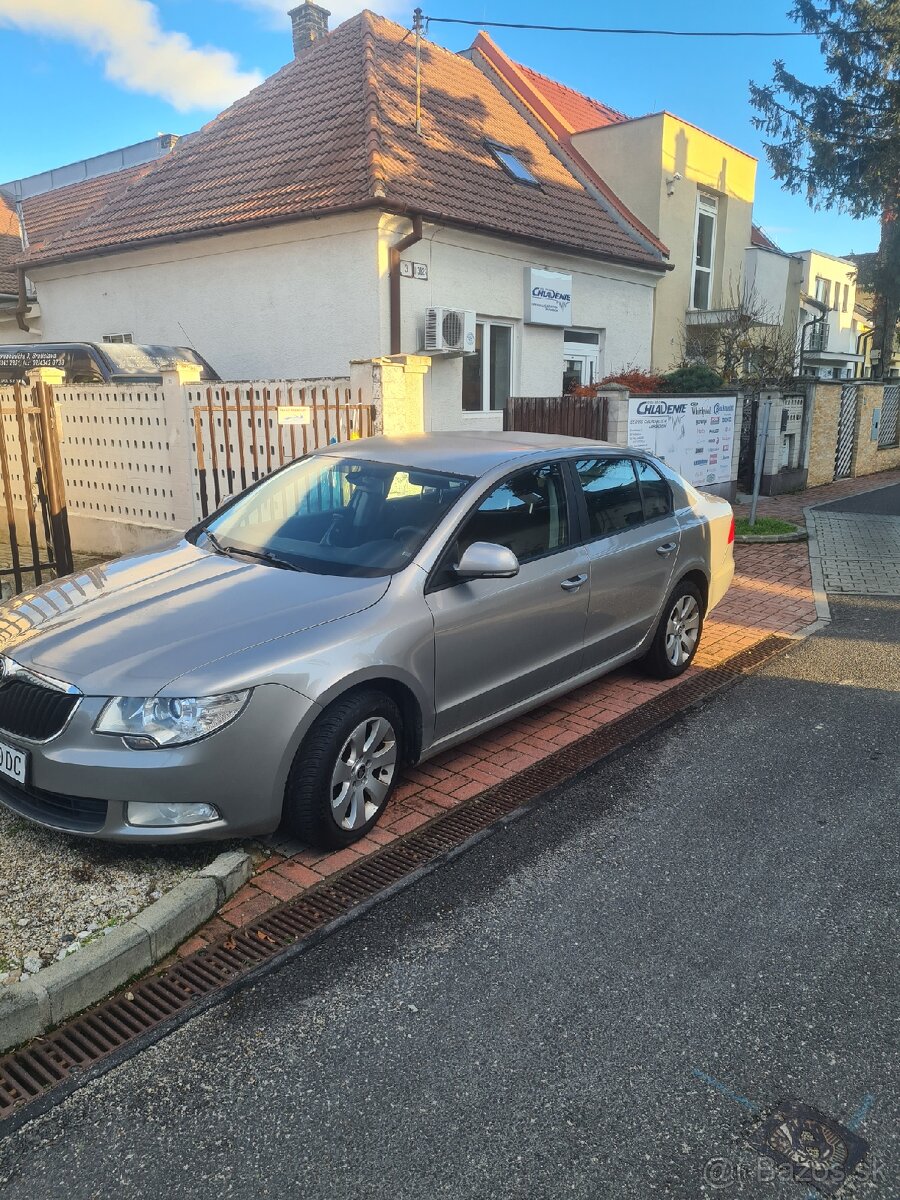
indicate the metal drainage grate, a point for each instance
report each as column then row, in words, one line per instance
column 809, row 1145
column 86, row 1040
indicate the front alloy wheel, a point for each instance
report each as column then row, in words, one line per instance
column 363, row 773
column 345, row 771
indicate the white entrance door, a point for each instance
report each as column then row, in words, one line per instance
column 581, row 360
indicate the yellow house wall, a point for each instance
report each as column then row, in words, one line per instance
column 867, row 458
column 817, row 265
column 636, row 158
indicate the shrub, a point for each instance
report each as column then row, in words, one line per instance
column 695, row 377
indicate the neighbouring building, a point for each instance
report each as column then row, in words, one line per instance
column 325, row 218
column 831, row 328
column 39, row 207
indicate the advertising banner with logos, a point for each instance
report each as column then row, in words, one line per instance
column 694, row 435
column 548, row 297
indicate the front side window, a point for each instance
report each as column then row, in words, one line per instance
column 336, row 516
column 487, row 374
column 704, row 253
column 527, row 513
column 611, row 493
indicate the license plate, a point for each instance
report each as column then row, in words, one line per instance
column 13, row 763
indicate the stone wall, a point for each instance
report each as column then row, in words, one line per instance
column 867, row 457
column 826, row 404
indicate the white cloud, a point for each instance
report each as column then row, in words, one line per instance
column 137, row 53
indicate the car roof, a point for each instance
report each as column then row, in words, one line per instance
column 466, row 453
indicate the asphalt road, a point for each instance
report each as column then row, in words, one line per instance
column 883, row 502
column 587, row 1004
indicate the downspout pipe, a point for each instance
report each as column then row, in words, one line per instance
column 22, row 305
column 867, row 336
column 394, row 279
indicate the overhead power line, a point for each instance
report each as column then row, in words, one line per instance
column 682, row 33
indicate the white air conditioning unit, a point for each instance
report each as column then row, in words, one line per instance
column 449, row 331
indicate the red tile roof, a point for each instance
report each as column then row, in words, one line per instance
column 578, row 111
column 335, row 130
column 49, row 214
column 758, row 238
column 529, row 89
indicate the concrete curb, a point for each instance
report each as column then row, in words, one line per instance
column 823, row 612
column 750, row 539
column 30, row 1008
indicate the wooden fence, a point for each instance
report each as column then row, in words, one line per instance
column 570, row 416
column 244, row 432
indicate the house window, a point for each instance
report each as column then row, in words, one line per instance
column 846, row 297
column 704, row 252
column 509, row 161
column 822, row 289
column 487, row 374
column 118, row 337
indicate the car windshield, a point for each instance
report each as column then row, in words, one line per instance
column 338, row 516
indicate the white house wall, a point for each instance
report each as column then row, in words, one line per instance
column 289, row 301
column 767, row 274
column 468, row 271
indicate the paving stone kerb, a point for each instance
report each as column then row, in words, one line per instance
column 30, row 1008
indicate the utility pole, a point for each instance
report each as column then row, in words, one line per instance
column 417, row 26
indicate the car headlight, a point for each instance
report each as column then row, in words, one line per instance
column 147, row 724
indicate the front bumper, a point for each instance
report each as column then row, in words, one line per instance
column 81, row 781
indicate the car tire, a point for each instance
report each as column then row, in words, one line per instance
column 345, row 771
column 678, row 633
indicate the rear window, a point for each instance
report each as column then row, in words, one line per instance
column 655, row 492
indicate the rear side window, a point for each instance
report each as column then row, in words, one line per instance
column 656, row 493
column 611, row 493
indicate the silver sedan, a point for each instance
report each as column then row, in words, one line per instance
column 364, row 608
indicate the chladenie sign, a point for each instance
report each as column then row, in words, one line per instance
column 548, row 297
column 693, row 436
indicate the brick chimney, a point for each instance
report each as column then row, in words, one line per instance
column 309, row 22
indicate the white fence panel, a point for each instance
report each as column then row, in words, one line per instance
column 115, row 446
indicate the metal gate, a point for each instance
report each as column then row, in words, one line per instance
column 889, row 426
column 571, row 416
column 243, row 433
column 747, row 442
column 843, row 459
column 35, row 545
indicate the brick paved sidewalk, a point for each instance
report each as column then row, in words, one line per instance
column 771, row 594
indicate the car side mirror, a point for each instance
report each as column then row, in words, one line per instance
column 486, row 560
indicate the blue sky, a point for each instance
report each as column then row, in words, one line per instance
column 73, row 66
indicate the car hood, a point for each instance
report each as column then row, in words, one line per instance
column 129, row 627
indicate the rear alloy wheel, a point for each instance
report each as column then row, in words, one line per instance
column 678, row 633
column 345, row 771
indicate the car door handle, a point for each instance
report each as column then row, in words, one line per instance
column 573, row 584
column 666, row 548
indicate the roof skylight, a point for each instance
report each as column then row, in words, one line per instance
column 511, row 164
